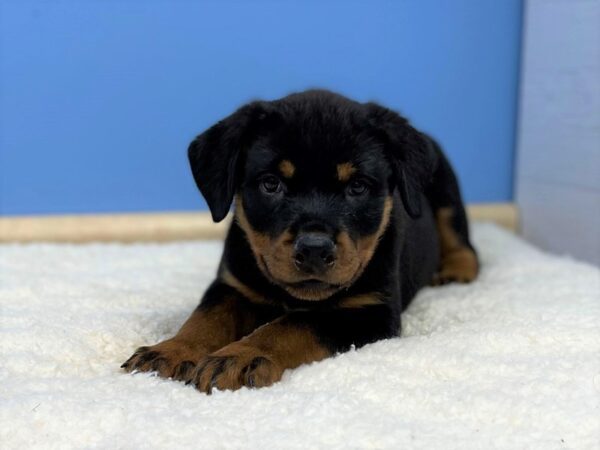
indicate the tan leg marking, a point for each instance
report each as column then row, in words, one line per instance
column 205, row 331
column 458, row 262
column 260, row 358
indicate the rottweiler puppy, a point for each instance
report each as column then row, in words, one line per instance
column 343, row 211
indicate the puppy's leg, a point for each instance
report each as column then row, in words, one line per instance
column 458, row 260
column 223, row 316
column 297, row 338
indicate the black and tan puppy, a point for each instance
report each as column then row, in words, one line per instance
column 343, row 211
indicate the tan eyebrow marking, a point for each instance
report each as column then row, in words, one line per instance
column 345, row 171
column 286, row 168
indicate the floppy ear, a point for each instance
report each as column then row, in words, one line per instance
column 410, row 153
column 216, row 156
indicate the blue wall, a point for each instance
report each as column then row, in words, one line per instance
column 99, row 99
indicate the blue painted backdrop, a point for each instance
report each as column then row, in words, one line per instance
column 99, row 99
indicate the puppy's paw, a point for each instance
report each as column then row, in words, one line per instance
column 233, row 367
column 170, row 359
column 459, row 266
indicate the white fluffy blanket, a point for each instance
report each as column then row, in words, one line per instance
column 510, row 361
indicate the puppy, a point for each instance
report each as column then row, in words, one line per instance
column 343, row 211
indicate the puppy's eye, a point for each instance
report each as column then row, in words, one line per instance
column 356, row 188
column 270, row 184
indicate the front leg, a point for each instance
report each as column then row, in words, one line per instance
column 297, row 338
column 222, row 317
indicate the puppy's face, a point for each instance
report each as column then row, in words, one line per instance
column 314, row 201
column 313, row 176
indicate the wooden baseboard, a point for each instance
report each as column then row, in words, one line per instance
column 163, row 227
column 504, row 214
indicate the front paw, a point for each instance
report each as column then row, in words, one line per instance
column 170, row 359
column 233, row 367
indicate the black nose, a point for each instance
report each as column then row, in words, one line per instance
column 314, row 252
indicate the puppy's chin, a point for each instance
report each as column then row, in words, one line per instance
column 308, row 289
column 311, row 290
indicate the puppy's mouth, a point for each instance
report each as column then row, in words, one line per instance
column 308, row 289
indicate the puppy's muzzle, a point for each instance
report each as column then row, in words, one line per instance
column 314, row 253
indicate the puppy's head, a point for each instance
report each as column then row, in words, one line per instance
column 313, row 176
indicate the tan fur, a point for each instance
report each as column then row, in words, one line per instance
column 362, row 300
column 345, row 171
column 276, row 346
column 458, row 262
column 313, row 295
column 259, row 243
column 275, row 259
column 229, row 279
column 286, row 168
column 202, row 333
column 366, row 246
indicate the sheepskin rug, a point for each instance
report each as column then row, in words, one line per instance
column 509, row 361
